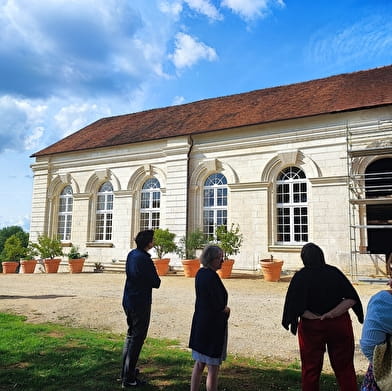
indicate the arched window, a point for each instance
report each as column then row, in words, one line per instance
column 214, row 203
column 104, row 215
column 150, row 204
column 292, row 206
column 64, row 223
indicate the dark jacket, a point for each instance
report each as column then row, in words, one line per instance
column 318, row 290
column 141, row 278
column 209, row 323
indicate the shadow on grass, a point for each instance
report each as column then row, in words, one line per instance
column 49, row 357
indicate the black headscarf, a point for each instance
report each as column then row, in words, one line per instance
column 317, row 287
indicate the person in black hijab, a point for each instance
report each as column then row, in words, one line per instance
column 317, row 303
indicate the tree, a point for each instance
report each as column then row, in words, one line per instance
column 6, row 232
column 164, row 242
column 48, row 247
column 13, row 249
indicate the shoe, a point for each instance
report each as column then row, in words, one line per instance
column 136, row 383
column 137, row 372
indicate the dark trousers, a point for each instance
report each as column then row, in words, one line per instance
column 335, row 334
column 138, row 322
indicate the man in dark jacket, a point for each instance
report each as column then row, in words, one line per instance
column 141, row 278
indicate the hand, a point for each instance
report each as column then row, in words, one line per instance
column 327, row 315
column 226, row 310
column 310, row 315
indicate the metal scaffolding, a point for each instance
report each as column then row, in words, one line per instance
column 369, row 166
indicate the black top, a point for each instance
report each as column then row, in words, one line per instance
column 318, row 290
column 141, row 278
column 209, row 322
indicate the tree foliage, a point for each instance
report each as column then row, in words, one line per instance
column 6, row 233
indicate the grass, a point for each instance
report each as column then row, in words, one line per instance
column 50, row 357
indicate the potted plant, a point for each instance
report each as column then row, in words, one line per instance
column 98, row 267
column 13, row 251
column 163, row 244
column 76, row 260
column 186, row 250
column 230, row 241
column 49, row 248
column 28, row 261
column 271, row 268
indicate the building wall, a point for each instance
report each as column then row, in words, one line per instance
column 250, row 158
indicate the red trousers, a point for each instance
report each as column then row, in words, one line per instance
column 337, row 336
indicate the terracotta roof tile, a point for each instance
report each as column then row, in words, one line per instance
column 352, row 91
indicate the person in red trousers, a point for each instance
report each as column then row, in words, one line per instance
column 317, row 303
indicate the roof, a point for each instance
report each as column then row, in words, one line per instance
column 345, row 92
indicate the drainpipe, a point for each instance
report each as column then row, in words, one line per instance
column 188, row 180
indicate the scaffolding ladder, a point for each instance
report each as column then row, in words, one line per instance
column 366, row 143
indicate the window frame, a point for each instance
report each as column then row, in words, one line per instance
column 64, row 217
column 217, row 210
column 105, row 214
column 150, row 212
column 292, row 207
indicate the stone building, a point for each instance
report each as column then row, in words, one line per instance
column 289, row 164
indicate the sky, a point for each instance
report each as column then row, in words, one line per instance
column 67, row 63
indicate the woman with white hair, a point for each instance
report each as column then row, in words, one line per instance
column 208, row 339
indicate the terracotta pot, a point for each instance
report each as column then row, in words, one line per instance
column 271, row 269
column 191, row 267
column 225, row 270
column 28, row 265
column 76, row 265
column 162, row 266
column 52, row 265
column 9, row 267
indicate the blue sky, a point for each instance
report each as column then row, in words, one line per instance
column 67, row 63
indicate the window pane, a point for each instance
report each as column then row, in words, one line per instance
column 156, row 199
column 150, row 204
column 291, row 190
column 208, row 222
column 215, row 203
column 155, row 220
column 109, row 202
column 144, row 221
column 221, row 197
column 145, row 198
column 208, row 197
column 101, row 202
column 64, row 218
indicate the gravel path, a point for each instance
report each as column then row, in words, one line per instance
column 94, row 300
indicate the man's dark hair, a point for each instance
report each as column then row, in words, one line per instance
column 143, row 238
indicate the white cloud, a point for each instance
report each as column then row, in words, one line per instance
column 189, row 51
column 73, row 117
column 63, row 46
column 20, row 123
column 21, row 221
column 172, row 8
column 178, row 100
column 368, row 38
column 251, row 9
column 205, row 7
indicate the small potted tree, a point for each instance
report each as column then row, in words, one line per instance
column 49, row 248
column 13, row 251
column 163, row 244
column 186, row 250
column 230, row 241
column 271, row 268
column 28, row 261
column 76, row 260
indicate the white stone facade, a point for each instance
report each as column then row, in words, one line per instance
column 250, row 158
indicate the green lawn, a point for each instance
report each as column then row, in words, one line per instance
column 50, row 357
